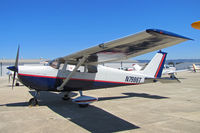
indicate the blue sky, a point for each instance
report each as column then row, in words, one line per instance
column 54, row 28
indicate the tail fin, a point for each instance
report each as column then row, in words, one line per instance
column 155, row 66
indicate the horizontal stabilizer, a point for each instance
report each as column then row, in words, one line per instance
column 168, row 80
column 163, row 80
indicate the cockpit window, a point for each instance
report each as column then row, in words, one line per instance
column 90, row 68
column 54, row 64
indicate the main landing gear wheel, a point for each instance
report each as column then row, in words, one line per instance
column 17, row 84
column 33, row 102
column 66, row 97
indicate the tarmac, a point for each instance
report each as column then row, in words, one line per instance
column 147, row 108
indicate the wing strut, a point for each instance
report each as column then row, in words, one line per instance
column 60, row 88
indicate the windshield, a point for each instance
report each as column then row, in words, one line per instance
column 54, row 64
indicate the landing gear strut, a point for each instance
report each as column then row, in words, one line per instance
column 172, row 76
column 33, row 101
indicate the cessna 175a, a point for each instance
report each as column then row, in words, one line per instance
column 88, row 74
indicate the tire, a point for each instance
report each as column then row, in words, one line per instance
column 33, row 102
column 17, row 84
column 66, row 98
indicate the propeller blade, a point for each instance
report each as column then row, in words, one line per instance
column 13, row 80
column 16, row 66
column 17, row 58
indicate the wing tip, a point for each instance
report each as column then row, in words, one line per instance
column 160, row 51
column 167, row 33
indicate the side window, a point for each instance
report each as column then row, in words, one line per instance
column 68, row 67
column 92, row 69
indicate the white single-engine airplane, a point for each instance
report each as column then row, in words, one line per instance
column 87, row 74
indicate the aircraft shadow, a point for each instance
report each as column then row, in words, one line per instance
column 91, row 118
column 181, row 78
column 20, row 104
column 10, row 86
column 128, row 95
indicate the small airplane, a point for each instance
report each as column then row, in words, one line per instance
column 171, row 71
column 195, row 68
column 167, row 70
column 135, row 67
column 88, row 74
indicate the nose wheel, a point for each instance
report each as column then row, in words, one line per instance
column 33, row 101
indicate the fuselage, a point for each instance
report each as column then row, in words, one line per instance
column 47, row 78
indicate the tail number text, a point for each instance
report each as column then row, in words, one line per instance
column 131, row 79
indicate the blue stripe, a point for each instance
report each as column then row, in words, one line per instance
column 39, row 83
column 50, row 84
column 162, row 66
column 166, row 33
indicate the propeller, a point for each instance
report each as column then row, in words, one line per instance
column 15, row 68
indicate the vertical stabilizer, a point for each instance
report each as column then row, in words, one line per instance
column 156, row 65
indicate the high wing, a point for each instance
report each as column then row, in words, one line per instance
column 127, row 47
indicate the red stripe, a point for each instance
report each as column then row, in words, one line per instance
column 42, row 76
column 160, row 65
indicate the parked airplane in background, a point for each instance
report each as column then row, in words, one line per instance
column 167, row 70
column 171, row 71
column 87, row 74
column 136, row 67
column 195, row 68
